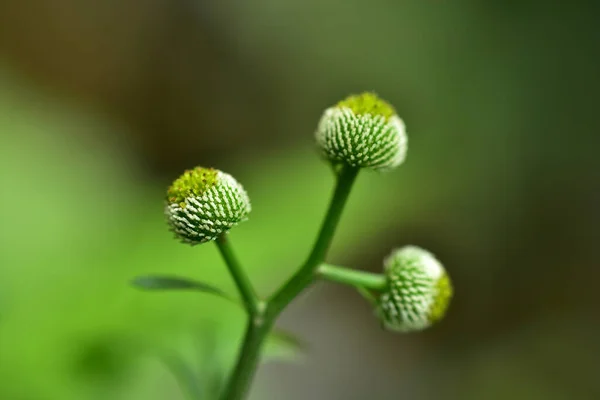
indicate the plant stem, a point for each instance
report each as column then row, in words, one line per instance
column 239, row 383
column 306, row 274
column 251, row 301
column 352, row 277
column 260, row 323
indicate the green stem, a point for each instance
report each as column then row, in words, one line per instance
column 252, row 303
column 352, row 277
column 260, row 324
column 306, row 274
column 239, row 383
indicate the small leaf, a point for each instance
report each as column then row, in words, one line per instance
column 368, row 295
column 211, row 366
column 186, row 377
column 284, row 345
column 163, row 282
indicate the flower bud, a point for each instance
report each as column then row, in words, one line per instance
column 362, row 131
column 203, row 203
column 418, row 290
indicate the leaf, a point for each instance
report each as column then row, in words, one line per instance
column 163, row 282
column 186, row 377
column 368, row 295
column 211, row 366
column 284, row 345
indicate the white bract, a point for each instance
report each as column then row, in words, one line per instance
column 418, row 290
column 362, row 131
column 205, row 203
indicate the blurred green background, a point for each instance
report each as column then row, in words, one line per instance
column 102, row 104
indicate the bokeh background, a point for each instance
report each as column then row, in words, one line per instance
column 103, row 103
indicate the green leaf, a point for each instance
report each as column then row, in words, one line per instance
column 211, row 366
column 186, row 377
column 284, row 345
column 164, row 282
column 368, row 295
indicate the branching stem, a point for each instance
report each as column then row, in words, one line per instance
column 262, row 318
column 352, row 277
column 253, row 304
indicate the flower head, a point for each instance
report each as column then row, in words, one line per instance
column 418, row 290
column 362, row 131
column 203, row 203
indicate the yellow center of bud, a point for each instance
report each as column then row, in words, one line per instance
column 368, row 103
column 192, row 183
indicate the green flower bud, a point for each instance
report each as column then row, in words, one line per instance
column 362, row 131
column 418, row 290
column 203, row 203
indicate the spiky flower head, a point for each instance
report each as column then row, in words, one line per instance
column 204, row 203
column 362, row 131
column 418, row 290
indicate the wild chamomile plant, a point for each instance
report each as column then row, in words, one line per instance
column 360, row 132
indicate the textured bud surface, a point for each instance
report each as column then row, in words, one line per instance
column 362, row 131
column 418, row 291
column 204, row 203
